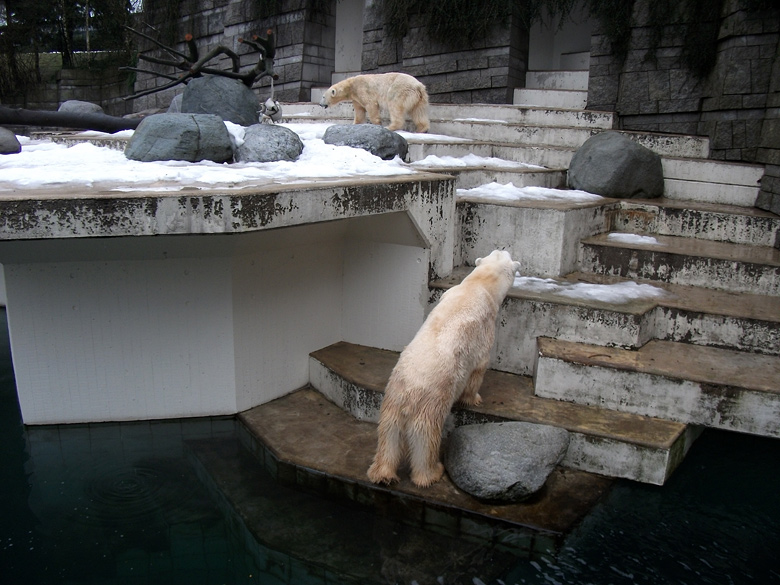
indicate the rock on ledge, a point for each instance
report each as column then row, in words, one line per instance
column 505, row 462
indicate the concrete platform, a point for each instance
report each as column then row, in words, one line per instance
column 306, row 440
column 706, row 386
column 156, row 304
column 602, row 441
column 303, row 538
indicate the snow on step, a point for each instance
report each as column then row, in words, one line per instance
column 676, row 381
column 677, row 260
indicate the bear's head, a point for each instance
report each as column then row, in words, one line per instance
column 500, row 261
column 335, row 94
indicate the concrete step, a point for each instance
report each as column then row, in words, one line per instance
column 689, row 261
column 544, row 233
column 551, row 98
column 711, row 181
column 474, row 172
column 577, row 80
column 305, row 440
column 705, row 221
column 423, row 145
column 502, row 113
column 604, row 442
column 687, row 383
column 611, row 311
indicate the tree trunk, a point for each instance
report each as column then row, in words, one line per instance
column 99, row 122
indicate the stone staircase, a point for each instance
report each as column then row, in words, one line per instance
column 635, row 323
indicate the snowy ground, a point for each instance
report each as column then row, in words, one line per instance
column 46, row 165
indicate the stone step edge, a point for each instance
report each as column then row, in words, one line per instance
column 678, row 297
column 717, row 398
column 442, row 507
column 649, row 456
column 686, row 246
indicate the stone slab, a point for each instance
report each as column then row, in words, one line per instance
column 677, row 381
column 312, row 441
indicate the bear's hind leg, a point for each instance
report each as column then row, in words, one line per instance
column 424, row 439
column 388, row 455
column 420, row 116
column 470, row 395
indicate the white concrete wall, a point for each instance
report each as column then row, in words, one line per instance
column 173, row 326
column 121, row 340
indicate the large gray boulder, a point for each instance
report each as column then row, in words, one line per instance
column 228, row 98
column 80, row 107
column 9, row 143
column 379, row 141
column 613, row 165
column 505, row 462
column 269, row 143
column 188, row 137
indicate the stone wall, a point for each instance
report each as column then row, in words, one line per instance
column 486, row 73
column 105, row 88
column 305, row 43
column 735, row 105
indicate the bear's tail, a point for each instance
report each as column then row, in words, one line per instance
column 419, row 112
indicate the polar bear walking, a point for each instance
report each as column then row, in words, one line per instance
column 444, row 363
column 397, row 93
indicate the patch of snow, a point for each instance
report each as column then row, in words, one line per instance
column 45, row 164
column 479, row 120
column 631, row 239
column 505, row 193
column 424, row 137
column 618, row 293
column 471, row 160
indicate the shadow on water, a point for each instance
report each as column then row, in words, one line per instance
column 129, row 503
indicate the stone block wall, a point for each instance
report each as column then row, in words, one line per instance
column 486, row 73
column 305, row 44
column 735, row 105
column 105, row 88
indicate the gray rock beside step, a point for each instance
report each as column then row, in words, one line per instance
column 505, row 462
column 269, row 143
column 377, row 140
column 612, row 165
column 187, row 137
column 229, row 99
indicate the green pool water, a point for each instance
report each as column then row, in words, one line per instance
column 132, row 503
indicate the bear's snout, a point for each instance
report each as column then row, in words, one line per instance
column 323, row 102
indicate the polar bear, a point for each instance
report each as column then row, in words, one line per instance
column 444, row 363
column 397, row 93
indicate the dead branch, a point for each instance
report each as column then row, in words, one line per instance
column 192, row 66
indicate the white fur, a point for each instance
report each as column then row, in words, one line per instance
column 444, row 363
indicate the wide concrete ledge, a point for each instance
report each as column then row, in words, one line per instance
column 676, row 381
column 602, row 441
column 306, row 440
column 145, row 305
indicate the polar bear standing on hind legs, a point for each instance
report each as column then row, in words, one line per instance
column 399, row 94
column 444, row 363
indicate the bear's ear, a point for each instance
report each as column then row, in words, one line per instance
column 516, row 266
